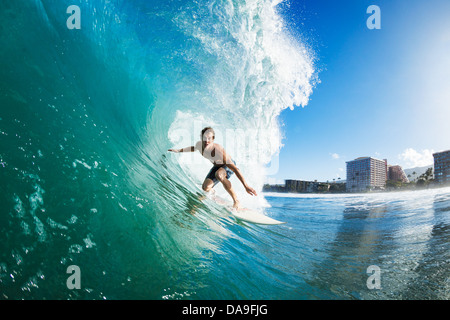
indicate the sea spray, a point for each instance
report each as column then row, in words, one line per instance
column 250, row 69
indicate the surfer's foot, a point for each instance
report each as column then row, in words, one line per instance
column 236, row 205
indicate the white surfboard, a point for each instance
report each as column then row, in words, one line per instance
column 252, row 216
column 247, row 214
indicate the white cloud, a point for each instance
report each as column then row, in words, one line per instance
column 413, row 158
column 335, row 156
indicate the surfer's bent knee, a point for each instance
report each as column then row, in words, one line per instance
column 207, row 185
column 221, row 174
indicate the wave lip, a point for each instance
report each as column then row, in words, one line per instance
column 247, row 69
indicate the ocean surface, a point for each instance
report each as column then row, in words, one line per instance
column 87, row 116
column 332, row 241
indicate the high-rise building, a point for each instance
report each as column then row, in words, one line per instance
column 396, row 173
column 442, row 167
column 366, row 173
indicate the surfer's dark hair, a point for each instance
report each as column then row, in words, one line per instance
column 208, row 129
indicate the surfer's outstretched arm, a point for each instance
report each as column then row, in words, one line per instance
column 238, row 173
column 187, row 149
column 226, row 159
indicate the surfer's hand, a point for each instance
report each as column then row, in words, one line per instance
column 250, row 191
column 174, row 150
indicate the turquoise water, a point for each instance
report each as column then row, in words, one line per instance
column 87, row 116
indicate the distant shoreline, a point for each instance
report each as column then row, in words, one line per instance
column 418, row 178
column 326, row 186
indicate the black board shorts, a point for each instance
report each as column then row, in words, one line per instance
column 212, row 173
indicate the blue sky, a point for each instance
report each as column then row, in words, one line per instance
column 382, row 93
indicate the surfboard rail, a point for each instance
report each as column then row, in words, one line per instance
column 246, row 214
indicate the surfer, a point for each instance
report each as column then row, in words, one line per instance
column 223, row 165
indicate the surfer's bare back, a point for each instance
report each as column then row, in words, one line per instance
column 223, row 165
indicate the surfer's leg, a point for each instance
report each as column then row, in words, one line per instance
column 208, row 184
column 221, row 175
